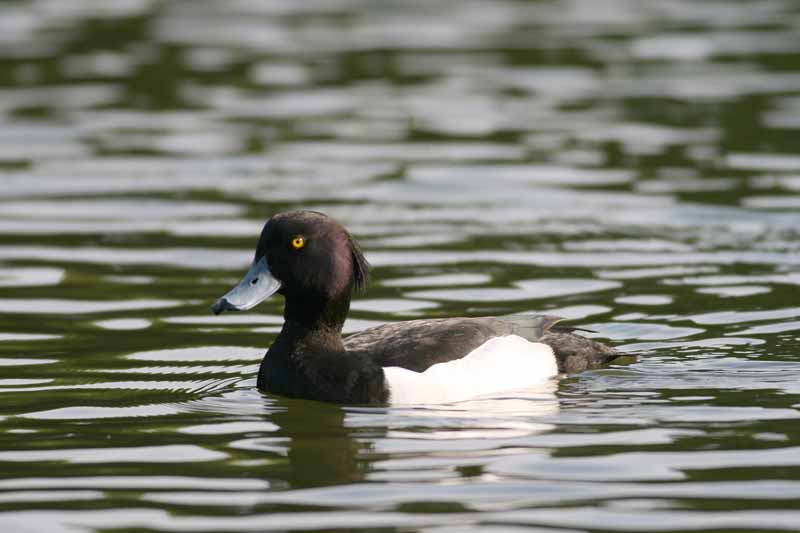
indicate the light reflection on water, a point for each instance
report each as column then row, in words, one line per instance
column 630, row 165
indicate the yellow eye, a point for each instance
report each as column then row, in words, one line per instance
column 298, row 242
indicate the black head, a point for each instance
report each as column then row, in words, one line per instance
column 310, row 253
column 309, row 258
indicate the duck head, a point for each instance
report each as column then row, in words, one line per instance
column 311, row 260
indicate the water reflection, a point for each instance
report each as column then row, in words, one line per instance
column 321, row 451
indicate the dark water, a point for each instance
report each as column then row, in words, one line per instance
column 630, row 164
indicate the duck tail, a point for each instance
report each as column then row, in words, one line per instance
column 575, row 353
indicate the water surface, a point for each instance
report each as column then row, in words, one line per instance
column 632, row 166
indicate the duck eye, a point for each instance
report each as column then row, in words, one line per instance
column 298, row 242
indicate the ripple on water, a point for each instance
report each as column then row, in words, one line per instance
column 138, row 454
column 99, row 413
column 658, row 272
column 639, row 466
column 721, row 280
column 200, row 353
column 132, row 518
column 551, row 175
column 208, row 385
column 133, row 208
column 645, row 299
column 438, row 280
column 526, row 289
column 443, row 151
column 772, row 202
column 195, row 370
column 124, row 323
column 574, row 312
column 27, row 337
column 734, row 291
column 391, row 305
column 578, row 260
column 65, row 307
column 768, row 329
column 762, row 161
column 195, row 258
column 717, row 343
column 228, row 428
column 641, row 331
column 352, row 325
column 738, row 317
column 25, row 361
column 134, row 482
column 30, row 276
column 50, row 496
column 230, row 319
column 480, row 495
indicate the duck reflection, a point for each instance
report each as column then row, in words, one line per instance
column 328, row 444
column 509, row 415
column 321, row 449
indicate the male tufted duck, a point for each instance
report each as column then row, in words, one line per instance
column 316, row 265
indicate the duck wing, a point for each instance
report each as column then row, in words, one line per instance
column 419, row 344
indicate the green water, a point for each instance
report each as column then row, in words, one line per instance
column 632, row 165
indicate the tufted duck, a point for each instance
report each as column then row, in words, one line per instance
column 316, row 265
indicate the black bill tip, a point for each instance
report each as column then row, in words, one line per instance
column 222, row 305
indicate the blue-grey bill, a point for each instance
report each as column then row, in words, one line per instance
column 256, row 286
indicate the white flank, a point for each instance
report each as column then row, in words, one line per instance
column 499, row 364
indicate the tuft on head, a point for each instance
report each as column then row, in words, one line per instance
column 360, row 265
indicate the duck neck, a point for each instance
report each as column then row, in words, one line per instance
column 308, row 358
column 312, row 330
column 315, row 320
